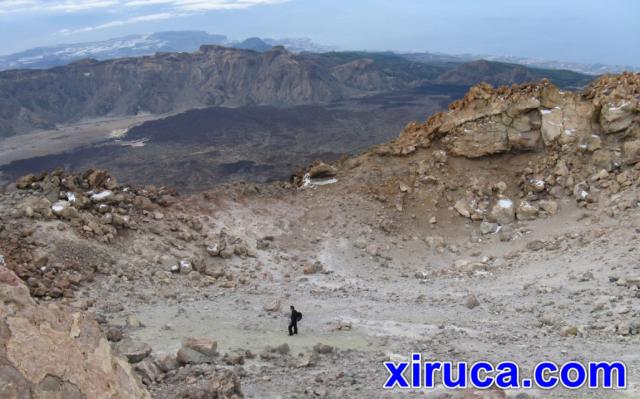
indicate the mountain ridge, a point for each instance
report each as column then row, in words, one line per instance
column 216, row 76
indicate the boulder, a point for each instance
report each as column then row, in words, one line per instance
column 526, row 211
column 462, row 207
column 37, row 207
column 617, row 116
column 631, row 152
column 322, row 171
column 25, row 181
column 185, row 266
column 148, row 371
column 581, row 192
column 552, row 127
column 550, row 207
column 479, row 138
column 214, row 249
column 322, row 348
column 134, row 351
column 102, row 196
column 489, row 228
column 197, row 351
column 272, row 306
column 605, row 159
column 503, row 211
column 591, row 143
column 65, row 210
column 471, row 302
column 167, row 362
column 52, row 351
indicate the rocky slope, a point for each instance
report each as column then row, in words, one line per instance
column 505, row 228
column 55, row 351
column 552, row 143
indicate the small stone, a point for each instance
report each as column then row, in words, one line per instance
column 462, row 208
column 623, row 328
column 550, row 207
column 569, row 331
column 272, row 306
column 581, row 192
column 133, row 322
column 213, row 249
column 312, row 268
column 114, row 334
column 322, row 348
column 185, row 267
column 536, row 245
column 471, row 301
column 488, row 228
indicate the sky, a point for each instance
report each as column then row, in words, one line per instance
column 586, row 31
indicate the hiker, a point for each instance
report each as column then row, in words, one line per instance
column 295, row 318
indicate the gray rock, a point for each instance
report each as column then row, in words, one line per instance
column 526, row 211
column 322, row 348
column 503, row 211
column 471, row 301
column 148, row 371
column 197, row 351
column 488, row 228
column 134, row 351
column 167, row 362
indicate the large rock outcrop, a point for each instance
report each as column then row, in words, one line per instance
column 49, row 351
column 531, row 117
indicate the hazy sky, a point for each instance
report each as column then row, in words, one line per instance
column 589, row 31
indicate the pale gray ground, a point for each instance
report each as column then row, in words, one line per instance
column 391, row 311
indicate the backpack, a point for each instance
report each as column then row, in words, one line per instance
column 298, row 316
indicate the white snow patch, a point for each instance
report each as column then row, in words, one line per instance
column 307, row 181
column 118, row 133
column 619, row 107
column 539, row 184
column 546, row 111
column 133, row 143
column 58, row 207
column 583, row 194
column 71, row 197
column 505, row 203
column 101, row 196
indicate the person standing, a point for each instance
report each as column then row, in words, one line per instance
column 295, row 318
